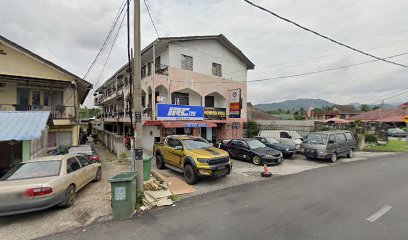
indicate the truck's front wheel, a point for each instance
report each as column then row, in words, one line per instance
column 190, row 175
column 159, row 161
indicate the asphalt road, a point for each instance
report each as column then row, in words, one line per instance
column 357, row 200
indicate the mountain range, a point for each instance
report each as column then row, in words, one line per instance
column 305, row 103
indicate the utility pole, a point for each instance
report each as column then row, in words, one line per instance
column 137, row 97
column 153, row 87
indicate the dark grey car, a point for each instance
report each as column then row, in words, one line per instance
column 329, row 145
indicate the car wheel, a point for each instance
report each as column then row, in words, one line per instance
column 70, row 195
column 333, row 158
column 256, row 160
column 350, row 154
column 190, row 175
column 159, row 161
column 98, row 175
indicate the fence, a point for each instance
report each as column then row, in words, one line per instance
column 302, row 127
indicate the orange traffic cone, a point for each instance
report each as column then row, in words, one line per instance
column 266, row 172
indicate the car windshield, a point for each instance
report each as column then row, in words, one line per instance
column 254, row 144
column 196, row 143
column 271, row 140
column 294, row 135
column 316, row 138
column 29, row 170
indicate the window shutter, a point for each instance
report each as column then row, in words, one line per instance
column 186, row 62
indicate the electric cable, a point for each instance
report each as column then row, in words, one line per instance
column 323, row 36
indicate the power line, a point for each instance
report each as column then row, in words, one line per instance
column 109, row 53
column 323, row 36
column 151, row 19
column 394, row 96
column 112, row 27
column 303, row 74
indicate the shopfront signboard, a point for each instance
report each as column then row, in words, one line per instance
column 179, row 112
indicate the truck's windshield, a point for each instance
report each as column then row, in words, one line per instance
column 196, row 143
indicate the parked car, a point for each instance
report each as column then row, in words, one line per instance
column 250, row 149
column 85, row 150
column 396, row 132
column 286, row 149
column 329, row 145
column 287, row 137
column 45, row 182
column 193, row 156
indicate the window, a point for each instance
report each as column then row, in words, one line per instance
column 158, row 63
column 143, row 72
column 46, row 98
column 216, row 69
column 180, row 98
column 209, row 101
column 186, row 62
column 349, row 136
column 341, row 138
column 332, row 138
column 22, row 99
column 284, row 135
column 72, row 165
column 35, row 98
column 173, row 142
column 36, row 169
column 84, row 162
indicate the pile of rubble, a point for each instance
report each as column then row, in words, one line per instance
column 160, row 189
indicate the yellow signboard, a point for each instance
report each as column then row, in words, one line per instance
column 406, row 118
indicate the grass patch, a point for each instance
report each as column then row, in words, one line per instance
column 392, row 146
column 139, row 199
column 175, row 198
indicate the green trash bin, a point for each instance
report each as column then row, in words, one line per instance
column 123, row 188
column 147, row 167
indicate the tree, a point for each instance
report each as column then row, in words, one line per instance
column 85, row 112
column 253, row 128
column 365, row 108
column 288, row 111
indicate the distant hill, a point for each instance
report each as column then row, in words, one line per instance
column 294, row 104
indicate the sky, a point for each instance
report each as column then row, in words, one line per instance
column 70, row 33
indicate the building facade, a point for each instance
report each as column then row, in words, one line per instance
column 338, row 111
column 198, row 72
column 29, row 82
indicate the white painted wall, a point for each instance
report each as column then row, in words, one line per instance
column 204, row 53
column 148, row 140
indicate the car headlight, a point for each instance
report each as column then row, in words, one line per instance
column 287, row 149
column 202, row 160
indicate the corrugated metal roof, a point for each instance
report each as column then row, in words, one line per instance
column 22, row 125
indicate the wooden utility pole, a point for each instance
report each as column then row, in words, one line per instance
column 137, row 100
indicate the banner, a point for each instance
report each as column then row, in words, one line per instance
column 215, row 113
column 179, row 112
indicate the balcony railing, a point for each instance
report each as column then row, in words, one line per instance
column 57, row 112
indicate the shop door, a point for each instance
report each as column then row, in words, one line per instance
column 204, row 132
column 65, row 138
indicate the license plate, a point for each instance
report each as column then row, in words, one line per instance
column 220, row 168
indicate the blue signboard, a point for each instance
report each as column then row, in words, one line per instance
column 179, row 112
column 195, row 125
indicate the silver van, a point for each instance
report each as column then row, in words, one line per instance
column 287, row 137
column 329, row 145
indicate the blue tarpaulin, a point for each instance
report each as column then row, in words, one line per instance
column 22, row 125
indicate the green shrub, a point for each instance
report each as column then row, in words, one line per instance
column 371, row 138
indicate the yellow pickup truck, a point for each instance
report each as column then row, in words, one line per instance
column 192, row 156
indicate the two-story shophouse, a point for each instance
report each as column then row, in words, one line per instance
column 29, row 82
column 191, row 85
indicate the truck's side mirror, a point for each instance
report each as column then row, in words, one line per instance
column 178, row 148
